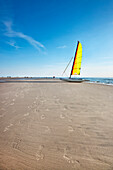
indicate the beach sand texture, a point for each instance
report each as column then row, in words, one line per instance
column 55, row 125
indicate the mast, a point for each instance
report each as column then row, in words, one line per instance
column 74, row 60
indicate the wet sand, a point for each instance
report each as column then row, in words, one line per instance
column 55, row 125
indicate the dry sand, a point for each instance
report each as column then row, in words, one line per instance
column 54, row 125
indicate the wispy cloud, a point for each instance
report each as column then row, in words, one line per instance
column 64, row 46
column 13, row 44
column 11, row 33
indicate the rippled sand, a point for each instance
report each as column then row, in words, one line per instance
column 55, row 125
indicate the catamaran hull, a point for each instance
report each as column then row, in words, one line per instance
column 72, row 80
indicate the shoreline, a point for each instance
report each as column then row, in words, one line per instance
column 102, row 81
column 39, row 80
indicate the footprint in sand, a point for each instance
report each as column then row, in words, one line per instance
column 39, row 156
column 62, row 116
column 69, row 159
column 26, row 114
column 42, row 117
column 39, row 153
column 7, row 128
column 65, row 108
column 29, row 107
column 47, row 129
column 16, row 143
column 70, row 129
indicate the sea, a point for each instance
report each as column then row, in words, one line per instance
column 106, row 81
column 97, row 80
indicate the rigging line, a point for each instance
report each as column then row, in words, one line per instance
column 67, row 66
column 66, row 75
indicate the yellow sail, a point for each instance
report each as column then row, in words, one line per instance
column 77, row 60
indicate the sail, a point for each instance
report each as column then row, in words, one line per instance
column 77, row 60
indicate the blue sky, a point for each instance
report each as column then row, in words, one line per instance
column 39, row 37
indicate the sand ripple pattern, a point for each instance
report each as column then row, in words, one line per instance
column 8, row 127
column 56, row 126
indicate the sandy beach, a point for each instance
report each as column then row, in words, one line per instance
column 55, row 125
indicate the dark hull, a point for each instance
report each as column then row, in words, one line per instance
column 72, row 80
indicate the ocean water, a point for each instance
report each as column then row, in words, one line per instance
column 107, row 81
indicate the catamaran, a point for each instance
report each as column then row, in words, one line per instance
column 76, row 67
